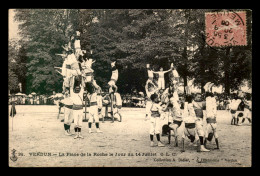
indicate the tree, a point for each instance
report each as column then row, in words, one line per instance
column 133, row 37
column 44, row 32
column 12, row 66
column 190, row 30
column 228, row 67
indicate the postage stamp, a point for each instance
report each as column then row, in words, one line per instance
column 226, row 28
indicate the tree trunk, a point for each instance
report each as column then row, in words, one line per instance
column 227, row 71
column 185, row 55
column 185, row 73
column 185, row 80
column 202, row 68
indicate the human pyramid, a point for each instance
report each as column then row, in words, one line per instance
column 163, row 103
column 80, row 88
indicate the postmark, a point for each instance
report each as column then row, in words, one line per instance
column 226, row 28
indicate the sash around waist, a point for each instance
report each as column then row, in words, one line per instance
column 89, row 74
column 190, row 125
column 155, row 114
column 68, row 66
column 247, row 107
column 210, row 120
column 199, row 112
column 77, row 107
column 113, row 79
column 68, row 106
column 93, row 103
column 177, row 122
column 233, row 111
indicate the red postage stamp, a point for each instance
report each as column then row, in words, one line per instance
column 226, row 28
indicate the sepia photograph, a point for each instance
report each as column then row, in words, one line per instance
column 130, row 88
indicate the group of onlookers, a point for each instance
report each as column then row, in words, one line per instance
column 128, row 100
column 133, row 101
column 34, row 100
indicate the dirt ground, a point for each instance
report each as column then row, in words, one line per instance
column 39, row 140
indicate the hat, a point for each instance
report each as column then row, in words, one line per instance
column 147, row 65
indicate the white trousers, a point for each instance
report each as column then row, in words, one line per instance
column 93, row 114
column 68, row 116
column 148, row 107
column 247, row 113
column 78, row 116
column 154, row 125
column 161, row 83
column 211, row 128
column 188, row 132
column 199, row 126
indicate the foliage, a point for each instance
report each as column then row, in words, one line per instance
column 133, row 37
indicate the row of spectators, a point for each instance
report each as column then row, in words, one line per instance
column 35, row 100
column 223, row 101
column 128, row 100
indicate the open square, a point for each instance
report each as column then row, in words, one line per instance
column 37, row 131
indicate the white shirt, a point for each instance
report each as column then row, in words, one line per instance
column 77, row 98
column 77, row 44
column 118, row 99
column 176, row 109
column 189, row 115
column 87, row 65
column 99, row 101
column 67, row 101
column 150, row 74
column 64, row 69
column 93, row 97
column 147, row 91
column 234, row 104
column 115, row 74
column 156, row 107
column 161, row 74
column 175, row 95
column 175, row 73
column 71, row 59
column 211, row 107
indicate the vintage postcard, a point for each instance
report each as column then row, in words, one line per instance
column 130, row 87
